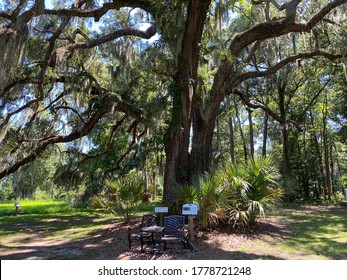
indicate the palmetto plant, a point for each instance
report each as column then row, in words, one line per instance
column 204, row 191
column 124, row 194
column 184, row 194
column 210, row 199
column 237, row 194
column 251, row 190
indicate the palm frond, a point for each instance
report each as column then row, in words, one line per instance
column 251, row 190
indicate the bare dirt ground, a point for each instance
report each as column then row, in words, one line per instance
column 110, row 243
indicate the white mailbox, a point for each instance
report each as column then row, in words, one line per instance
column 190, row 209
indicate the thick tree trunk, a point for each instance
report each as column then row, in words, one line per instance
column 178, row 133
column 201, row 156
column 176, row 150
column 177, row 137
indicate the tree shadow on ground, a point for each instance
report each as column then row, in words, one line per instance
column 108, row 243
column 45, row 240
column 322, row 230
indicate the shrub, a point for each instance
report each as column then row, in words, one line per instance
column 210, row 199
column 251, row 191
column 184, row 194
column 7, row 193
column 235, row 195
column 207, row 194
column 122, row 197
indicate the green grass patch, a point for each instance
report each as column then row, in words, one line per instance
column 147, row 207
column 36, row 207
column 317, row 230
column 50, row 218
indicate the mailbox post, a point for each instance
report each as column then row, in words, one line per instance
column 190, row 210
column 17, row 204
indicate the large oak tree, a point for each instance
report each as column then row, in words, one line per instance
column 45, row 67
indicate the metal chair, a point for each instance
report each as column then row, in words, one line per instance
column 148, row 220
column 173, row 230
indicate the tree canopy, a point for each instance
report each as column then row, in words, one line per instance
column 172, row 88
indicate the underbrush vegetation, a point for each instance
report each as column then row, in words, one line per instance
column 235, row 195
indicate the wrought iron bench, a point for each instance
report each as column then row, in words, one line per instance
column 148, row 220
column 173, row 231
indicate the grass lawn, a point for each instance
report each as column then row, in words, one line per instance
column 36, row 207
column 53, row 230
column 316, row 230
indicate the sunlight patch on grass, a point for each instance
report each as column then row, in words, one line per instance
column 75, row 233
column 318, row 231
column 36, row 207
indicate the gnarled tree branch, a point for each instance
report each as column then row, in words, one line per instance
column 277, row 28
column 91, row 43
column 271, row 70
column 43, row 144
column 271, row 113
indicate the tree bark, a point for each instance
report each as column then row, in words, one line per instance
column 178, row 134
column 332, row 167
column 306, row 175
column 231, row 139
column 265, row 130
column 251, row 133
column 285, row 141
column 326, row 151
column 321, row 183
column 201, row 152
column 244, row 145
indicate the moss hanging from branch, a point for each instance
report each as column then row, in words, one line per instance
column 13, row 42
